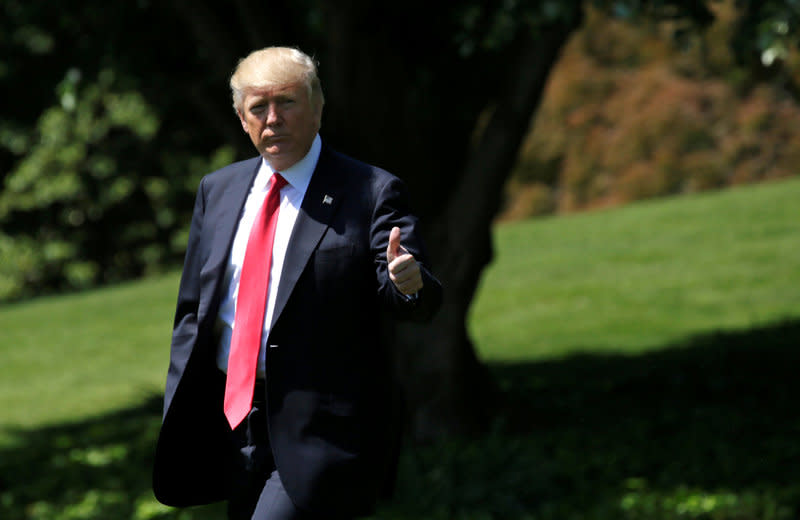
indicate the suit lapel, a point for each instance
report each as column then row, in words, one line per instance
column 226, row 218
column 323, row 196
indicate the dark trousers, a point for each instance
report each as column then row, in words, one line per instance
column 256, row 491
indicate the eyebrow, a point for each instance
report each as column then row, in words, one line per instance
column 261, row 99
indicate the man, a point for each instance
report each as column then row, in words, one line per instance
column 278, row 393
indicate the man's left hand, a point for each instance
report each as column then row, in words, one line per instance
column 403, row 268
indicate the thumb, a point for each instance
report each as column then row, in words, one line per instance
column 394, row 244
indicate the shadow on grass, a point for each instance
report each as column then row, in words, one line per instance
column 709, row 428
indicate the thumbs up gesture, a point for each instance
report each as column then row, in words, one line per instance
column 403, row 268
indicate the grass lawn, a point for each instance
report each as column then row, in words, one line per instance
column 642, row 276
column 70, row 357
column 647, row 356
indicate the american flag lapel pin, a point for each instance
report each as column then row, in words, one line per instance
column 327, row 199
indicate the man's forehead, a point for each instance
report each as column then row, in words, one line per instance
column 274, row 90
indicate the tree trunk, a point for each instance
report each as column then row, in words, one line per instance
column 446, row 388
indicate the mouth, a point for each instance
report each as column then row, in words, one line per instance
column 274, row 143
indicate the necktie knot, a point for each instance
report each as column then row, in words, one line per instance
column 277, row 182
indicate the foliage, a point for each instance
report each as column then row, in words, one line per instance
column 629, row 115
column 770, row 34
column 70, row 181
column 92, row 200
column 95, row 185
column 103, row 145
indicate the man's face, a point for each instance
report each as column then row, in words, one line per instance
column 281, row 122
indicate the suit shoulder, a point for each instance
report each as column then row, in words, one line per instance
column 356, row 169
column 231, row 170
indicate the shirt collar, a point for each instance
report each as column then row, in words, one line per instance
column 299, row 174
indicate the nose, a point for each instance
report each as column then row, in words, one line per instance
column 273, row 115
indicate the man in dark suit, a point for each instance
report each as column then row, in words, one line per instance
column 278, row 395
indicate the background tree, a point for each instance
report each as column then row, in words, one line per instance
column 99, row 179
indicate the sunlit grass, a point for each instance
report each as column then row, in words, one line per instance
column 70, row 357
column 641, row 276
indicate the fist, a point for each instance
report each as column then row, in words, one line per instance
column 403, row 267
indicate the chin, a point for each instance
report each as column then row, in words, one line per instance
column 280, row 162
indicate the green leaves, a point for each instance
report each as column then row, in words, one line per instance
column 644, row 503
column 482, row 28
column 66, row 151
column 777, row 25
column 88, row 200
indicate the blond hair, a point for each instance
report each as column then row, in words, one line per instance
column 275, row 66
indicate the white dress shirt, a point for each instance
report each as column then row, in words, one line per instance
column 298, row 177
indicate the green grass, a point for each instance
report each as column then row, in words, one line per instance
column 71, row 357
column 647, row 357
column 634, row 278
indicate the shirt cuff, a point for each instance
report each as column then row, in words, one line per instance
column 412, row 298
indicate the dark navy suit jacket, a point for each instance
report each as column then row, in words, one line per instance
column 328, row 377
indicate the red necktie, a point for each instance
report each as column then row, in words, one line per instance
column 250, row 307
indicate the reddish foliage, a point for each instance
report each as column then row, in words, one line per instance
column 628, row 115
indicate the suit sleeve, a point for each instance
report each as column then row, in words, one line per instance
column 189, row 291
column 392, row 209
column 184, row 331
